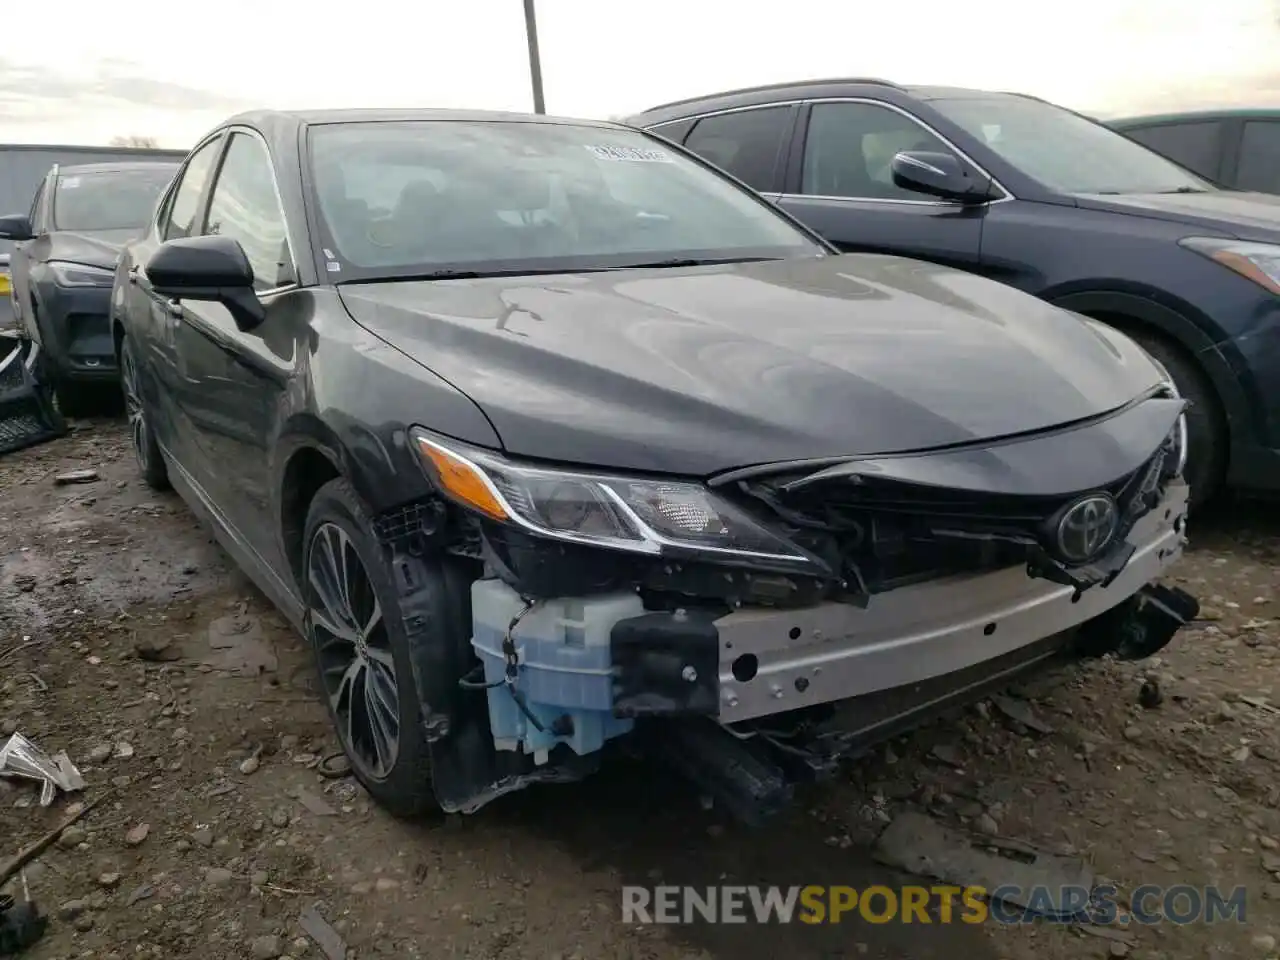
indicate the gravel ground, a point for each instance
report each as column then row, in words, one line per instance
column 128, row 640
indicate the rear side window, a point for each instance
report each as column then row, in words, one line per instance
column 1196, row 146
column 675, row 131
column 1260, row 157
column 186, row 199
column 747, row 143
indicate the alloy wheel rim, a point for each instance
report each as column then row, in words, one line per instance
column 349, row 634
column 133, row 408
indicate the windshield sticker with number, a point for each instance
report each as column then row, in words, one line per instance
column 632, row 154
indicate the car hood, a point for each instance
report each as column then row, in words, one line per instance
column 1245, row 216
column 697, row 370
column 99, row 248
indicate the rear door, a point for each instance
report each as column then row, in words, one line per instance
column 1258, row 165
column 154, row 320
column 750, row 143
column 839, row 183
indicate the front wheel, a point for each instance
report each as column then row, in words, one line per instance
column 145, row 448
column 1206, row 428
column 356, row 628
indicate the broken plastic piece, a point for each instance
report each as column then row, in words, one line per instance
column 19, row 757
column 318, row 929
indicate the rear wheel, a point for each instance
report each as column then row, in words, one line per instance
column 1206, row 427
column 150, row 460
column 356, row 628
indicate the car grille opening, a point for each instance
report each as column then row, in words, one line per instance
column 882, row 534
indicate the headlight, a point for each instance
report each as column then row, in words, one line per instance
column 639, row 515
column 1180, row 429
column 1259, row 262
column 80, row 275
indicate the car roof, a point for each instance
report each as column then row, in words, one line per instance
column 800, row 90
column 278, row 120
column 116, row 166
column 1223, row 113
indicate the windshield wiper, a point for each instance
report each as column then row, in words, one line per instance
column 692, row 262
column 1185, row 190
column 469, row 274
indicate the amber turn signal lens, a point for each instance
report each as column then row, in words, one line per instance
column 462, row 481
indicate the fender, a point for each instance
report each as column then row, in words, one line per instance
column 1148, row 313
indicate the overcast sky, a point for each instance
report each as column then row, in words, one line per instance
column 168, row 70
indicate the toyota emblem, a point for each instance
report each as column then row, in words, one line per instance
column 1086, row 527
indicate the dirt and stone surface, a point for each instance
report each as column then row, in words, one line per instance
column 128, row 640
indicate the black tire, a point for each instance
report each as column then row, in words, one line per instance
column 155, row 473
column 402, row 783
column 1206, row 426
column 77, row 400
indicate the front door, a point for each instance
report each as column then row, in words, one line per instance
column 234, row 380
column 840, row 184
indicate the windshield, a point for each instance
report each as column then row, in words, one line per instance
column 424, row 197
column 109, row 199
column 1066, row 152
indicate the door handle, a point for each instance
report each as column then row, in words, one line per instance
column 133, row 274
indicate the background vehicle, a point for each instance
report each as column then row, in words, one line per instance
column 24, row 166
column 6, row 294
column 1021, row 191
column 62, row 266
column 540, row 432
column 1237, row 149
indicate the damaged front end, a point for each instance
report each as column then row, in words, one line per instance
column 754, row 629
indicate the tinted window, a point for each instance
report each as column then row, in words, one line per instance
column 1194, row 145
column 674, row 131
column 849, row 148
column 403, row 199
column 1063, row 150
column 1260, row 156
column 186, row 199
column 747, row 143
column 108, row 200
column 245, row 207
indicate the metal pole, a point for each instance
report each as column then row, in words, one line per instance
column 535, row 61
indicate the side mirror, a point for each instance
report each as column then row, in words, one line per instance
column 209, row 268
column 939, row 175
column 16, row 226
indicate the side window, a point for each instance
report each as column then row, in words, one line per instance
column 747, row 144
column 1260, row 157
column 180, row 221
column 675, row 130
column 1196, row 146
column 245, row 207
column 849, row 147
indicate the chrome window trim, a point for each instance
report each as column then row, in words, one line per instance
column 1007, row 194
